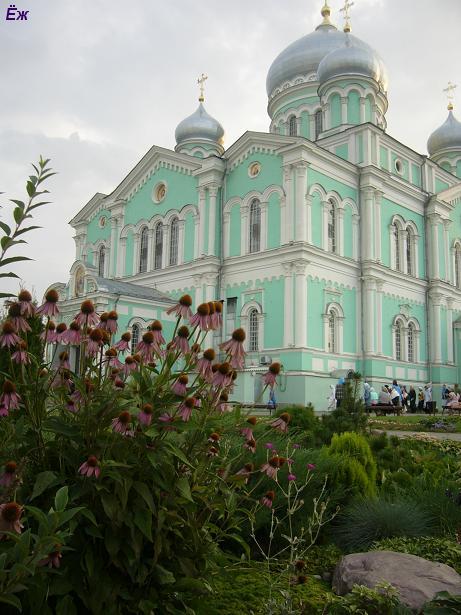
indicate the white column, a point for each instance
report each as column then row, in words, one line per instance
column 288, row 306
column 121, row 258
column 264, row 228
column 244, row 230
column 377, row 224
column 326, row 116
column 150, row 250
column 202, row 213
column 450, row 330
column 453, row 266
column 343, row 109
column 181, row 241
column 325, row 210
column 300, row 305
column 434, row 237
column 198, row 299
column 379, row 317
column 301, row 189
column 435, row 313
column 113, row 247
column 340, row 238
column 283, row 217
column 137, row 242
column 196, row 236
column 369, row 290
column 210, row 287
column 225, row 232
column 362, row 110
column 446, row 248
column 288, row 221
column 309, row 218
column 212, row 191
column 355, row 236
column 366, row 227
column 312, row 126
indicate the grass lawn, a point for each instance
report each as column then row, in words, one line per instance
column 416, row 422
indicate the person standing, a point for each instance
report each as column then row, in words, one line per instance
column 428, row 397
column 272, row 403
column 367, row 396
column 396, row 387
column 412, row 398
column 339, row 391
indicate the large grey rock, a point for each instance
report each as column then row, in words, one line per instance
column 416, row 579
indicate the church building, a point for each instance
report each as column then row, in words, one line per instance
column 334, row 245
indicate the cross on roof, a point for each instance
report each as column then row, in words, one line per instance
column 345, row 10
column 201, row 81
column 450, row 89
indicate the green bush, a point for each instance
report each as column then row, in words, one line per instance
column 368, row 520
column 443, row 604
column 441, row 550
column 383, row 600
column 354, row 465
column 350, row 444
column 350, row 416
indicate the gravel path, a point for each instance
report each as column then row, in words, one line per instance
column 432, row 434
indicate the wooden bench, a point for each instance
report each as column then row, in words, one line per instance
column 384, row 409
column 452, row 409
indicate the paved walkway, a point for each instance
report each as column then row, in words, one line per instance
column 433, row 434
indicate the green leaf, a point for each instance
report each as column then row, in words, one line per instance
column 143, row 520
column 61, row 499
column 67, row 515
column 89, row 515
column 42, row 482
column 12, row 601
column 57, row 425
column 5, row 228
column 164, row 576
column 4, row 295
column 66, row 606
column 14, row 259
column 17, row 214
column 26, row 230
column 184, row 488
column 145, row 493
column 30, row 188
column 8, row 275
column 18, row 203
column 178, row 453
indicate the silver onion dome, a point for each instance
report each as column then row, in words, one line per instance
column 447, row 136
column 353, row 58
column 303, row 57
column 199, row 126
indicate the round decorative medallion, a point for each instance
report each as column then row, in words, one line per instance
column 102, row 221
column 254, row 169
column 159, row 192
column 398, row 165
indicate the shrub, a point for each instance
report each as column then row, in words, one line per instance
column 443, row 604
column 368, row 520
column 349, row 475
column 383, row 600
column 354, row 468
column 441, row 550
column 350, row 444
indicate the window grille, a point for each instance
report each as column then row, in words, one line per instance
column 411, row 342
column 134, row 337
column 318, row 123
column 396, row 246
column 293, row 126
column 158, row 246
column 143, row 251
column 398, row 342
column 174, row 236
column 331, row 331
column 253, row 342
column 101, row 261
column 331, row 227
column 409, row 253
column 255, row 226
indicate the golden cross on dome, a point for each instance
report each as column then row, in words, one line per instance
column 347, row 17
column 450, row 89
column 201, row 81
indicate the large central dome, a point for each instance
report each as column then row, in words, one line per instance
column 302, row 58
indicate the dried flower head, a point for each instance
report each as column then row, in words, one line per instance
column 87, row 307
column 126, row 337
column 186, row 300
column 183, row 331
column 209, row 354
column 24, row 295
column 239, row 335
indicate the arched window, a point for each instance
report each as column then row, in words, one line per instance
column 458, row 265
column 101, row 261
column 79, row 282
column 331, row 226
column 332, row 331
column 174, row 236
column 158, row 251
column 395, row 232
column 409, row 250
column 255, row 226
column 143, row 250
column 135, row 331
column 411, row 342
column 253, row 341
column 318, row 123
column 293, row 126
column 398, row 340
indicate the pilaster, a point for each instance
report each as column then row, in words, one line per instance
column 301, row 189
column 212, row 191
column 300, row 333
column 288, row 305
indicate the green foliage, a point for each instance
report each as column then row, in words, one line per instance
column 350, row 444
column 350, row 416
column 383, row 600
column 368, row 520
column 443, row 604
column 303, row 422
column 434, row 549
column 354, row 465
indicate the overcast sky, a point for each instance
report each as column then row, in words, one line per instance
column 93, row 84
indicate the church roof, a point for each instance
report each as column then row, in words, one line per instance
column 115, row 287
column 447, row 136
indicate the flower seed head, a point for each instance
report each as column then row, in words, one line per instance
column 104, row 317
column 147, row 408
column 183, row 331
column 238, row 335
column 14, row 310
column 126, row 337
column 51, row 326
column 186, row 300
column 87, row 307
column 10, row 467
column 52, row 296
column 92, row 461
column 275, row 368
column 189, row 402
column 8, row 328
column 224, row 368
column 124, row 417
column 64, row 356
column 9, row 387
column 203, row 309
column 96, row 335
column 74, row 326
column 183, row 379
column 61, row 327
column 112, row 315
column 209, row 354
column 148, row 337
column 252, row 420
column 218, row 307
column 24, row 295
column 156, row 325
column 111, row 352
column 285, row 417
column 11, row 512
column 211, row 307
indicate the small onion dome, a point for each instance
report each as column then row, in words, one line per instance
column 448, row 136
column 353, row 58
column 199, row 127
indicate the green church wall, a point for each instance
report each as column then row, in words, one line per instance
column 316, row 218
column 329, row 184
column 239, row 183
column 353, row 107
column 390, row 309
column 97, row 233
column 234, row 231
column 273, row 301
column 315, row 307
column 189, row 237
column 348, row 232
column 368, row 109
column 446, row 166
column 416, row 175
column 388, row 210
column 384, row 158
column 342, row 151
column 181, row 190
column 335, row 110
column 440, row 185
column 359, row 143
column 305, row 125
column 458, row 169
column 404, row 174
column 296, row 102
column 206, row 213
column 273, row 221
column 349, row 305
column 443, row 333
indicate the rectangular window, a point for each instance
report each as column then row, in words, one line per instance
column 231, row 314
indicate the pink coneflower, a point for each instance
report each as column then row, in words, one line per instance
column 269, row 446
column 9, row 398
column 73, row 335
column 8, row 337
column 156, row 328
column 268, row 499
column 145, row 416
column 72, row 406
column 250, row 445
column 291, row 477
column 212, row 451
column 216, row 316
column 201, row 318
column 9, row 475
column 10, row 515
column 95, row 341
column 111, row 324
column 180, row 341
column 165, row 418
column 87, row 315
column 21, row 356
column 130, row 365
column 121, row 424
column 194, row 351
column 52, row 560
column 90, row 467
column 223, row 375
column 112, row 359
column 223, row 406
column 204, row 365
column 61, row 333
column 64, row 360
column 124, row 343
column 49, row 334
column 246, row 471
column 180, row 386
column 182, row 308
column 20, row 323
column 146, row 347
column 25, row 303
column 296, row 446
column 281, row 423
column 3, row 410
column 248, row 431
column 234, row 348
column 186, row 407
column 273, row 466
column 49, row 308
column 269, row 378
column 311, row 466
